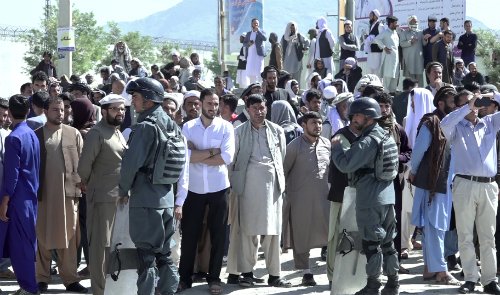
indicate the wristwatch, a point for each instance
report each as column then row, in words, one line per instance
column 211, row 151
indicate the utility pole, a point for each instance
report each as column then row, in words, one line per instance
column 222, row 37
column 65, row 20
column 47, row 18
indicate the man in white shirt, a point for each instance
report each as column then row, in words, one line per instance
column 211, row 148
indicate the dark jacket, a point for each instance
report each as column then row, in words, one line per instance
column 351, row 79
column 338, row 180
column 259, row 42
column 468, row 79
column 48, row 69
column 443, row 53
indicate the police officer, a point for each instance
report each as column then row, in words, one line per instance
column 151, row 205
column 375, row 196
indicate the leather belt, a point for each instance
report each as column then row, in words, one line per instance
column 477, row 178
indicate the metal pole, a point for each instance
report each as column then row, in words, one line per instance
column 65, row 20
column 222, row 37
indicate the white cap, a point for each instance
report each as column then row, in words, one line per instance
column 330, row 92
column 192, row 93
column 112, row 98
column 350, row 61
column 376, row 12
column 177, row 98
column 342, row 96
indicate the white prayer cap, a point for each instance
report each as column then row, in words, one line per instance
column 177, row 98
column 347, row 22
column 111, row 98
column 175, row 52
column 342, row 96
column 330, row 92
column 376, row 12
column 459, row 60
column 412, row 17
column 192, row 93
column 350, row 61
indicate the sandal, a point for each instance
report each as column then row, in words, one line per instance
column 280, row 283
column 246, row 282
column 404, row 253
column 215, row 288
column 448, row 280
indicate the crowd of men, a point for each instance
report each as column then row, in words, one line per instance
column 208, row 176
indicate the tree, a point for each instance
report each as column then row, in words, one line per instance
column 90, row 43
column 489, row 49
column 140, row 46
column 215, row 66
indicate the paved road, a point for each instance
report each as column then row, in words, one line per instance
column 410, row 284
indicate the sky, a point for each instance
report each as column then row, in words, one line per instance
column 128, row 10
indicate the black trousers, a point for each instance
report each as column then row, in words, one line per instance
column 191, row 226
column 398, row 207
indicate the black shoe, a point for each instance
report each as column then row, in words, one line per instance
column 53, row 271
column 308, row 280
column 467, row 287
column 199, row 277
column 76, row 287
column 492, row 288
column 453, row 263
column 43, row 287
column 246, row 280
column 233, row 279
column 257, row 280
column 323, row 253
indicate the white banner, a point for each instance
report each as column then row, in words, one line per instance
column 454, row 10
column 65, row 39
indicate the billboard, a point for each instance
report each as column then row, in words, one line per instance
column 239, row 14
column 402, row 9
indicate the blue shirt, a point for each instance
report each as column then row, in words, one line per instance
column 473, row 146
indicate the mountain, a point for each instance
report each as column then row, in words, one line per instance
column 197, row 19
column 478, row 25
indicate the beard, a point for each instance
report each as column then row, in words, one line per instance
column 447, row 109
column 207, row 115
column 313, row 133
column 55, row 121
column 116, row 121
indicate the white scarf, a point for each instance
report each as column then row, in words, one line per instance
column 423, row 101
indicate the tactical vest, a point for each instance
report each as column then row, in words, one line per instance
column 170, row 154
